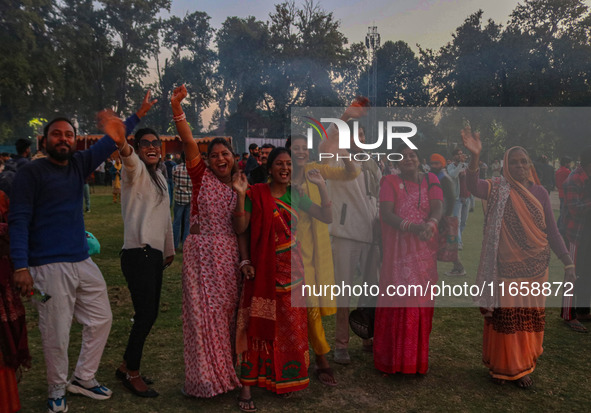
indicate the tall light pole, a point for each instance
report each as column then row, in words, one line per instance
column 372, row 42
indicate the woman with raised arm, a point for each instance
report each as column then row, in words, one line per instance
column 519, row 231
column 148, row 246
column 411, row 205
column 272, row 323
column 210, row 265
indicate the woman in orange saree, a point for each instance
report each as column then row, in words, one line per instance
column 519, row 232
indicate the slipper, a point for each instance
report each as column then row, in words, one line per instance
column 576, row 325
column 246, row 402
column 321, row 375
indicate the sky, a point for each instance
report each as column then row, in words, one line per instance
column 429, row 23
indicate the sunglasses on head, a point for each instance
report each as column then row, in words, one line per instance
column 146, row 143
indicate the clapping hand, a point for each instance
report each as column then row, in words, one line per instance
column 239, row 182
column 426, row 232
column 315, row 177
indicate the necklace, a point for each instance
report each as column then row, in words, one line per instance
column 405, row 190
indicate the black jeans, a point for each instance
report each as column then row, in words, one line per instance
column 142, row 269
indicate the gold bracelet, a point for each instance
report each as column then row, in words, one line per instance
column 473, row 170
column 566, row 267
column 21, row 269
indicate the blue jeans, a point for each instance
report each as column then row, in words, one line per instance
column 170, row 191
column 181, row 223
column 461, row 209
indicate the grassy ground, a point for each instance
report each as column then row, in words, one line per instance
column 457, row 380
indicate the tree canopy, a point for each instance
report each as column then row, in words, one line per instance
column 75, row 57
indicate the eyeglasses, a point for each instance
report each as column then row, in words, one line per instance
column 156, row 143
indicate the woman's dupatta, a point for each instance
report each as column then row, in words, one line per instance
column 500, row 190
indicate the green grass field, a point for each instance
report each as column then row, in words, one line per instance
column 457, row 380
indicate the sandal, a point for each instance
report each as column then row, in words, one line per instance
column 321, row 375
column 576, row 325
column 247, row 405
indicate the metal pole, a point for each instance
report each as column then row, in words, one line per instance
column 372, row 42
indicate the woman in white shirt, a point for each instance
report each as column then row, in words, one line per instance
column 148, row 246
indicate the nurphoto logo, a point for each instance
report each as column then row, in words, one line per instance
column 393, row 130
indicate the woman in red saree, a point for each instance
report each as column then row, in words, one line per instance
column 411, row 205
column 272, row 322
column 14, row 350
column 519, row 232
column 211, row 278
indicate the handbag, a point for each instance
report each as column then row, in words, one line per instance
column 448, row 239
column 94, row 247
column 362, row 320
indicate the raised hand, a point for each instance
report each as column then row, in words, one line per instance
column 111, row 125
column 315, row 177
column 472, row 141
column 239, row 182
column 146, row 105
column 178, row 94
column 357, row 109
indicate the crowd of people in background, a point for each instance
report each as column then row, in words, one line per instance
column 254, row 230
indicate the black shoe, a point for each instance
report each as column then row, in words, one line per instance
column 123, row 376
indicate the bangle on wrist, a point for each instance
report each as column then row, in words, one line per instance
column 21, row 269
column 405, row 225
column 239, row 214
column 434, row 220
column 243, row 263
column 566, row 267
column 326, row 204
column 179, row 118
